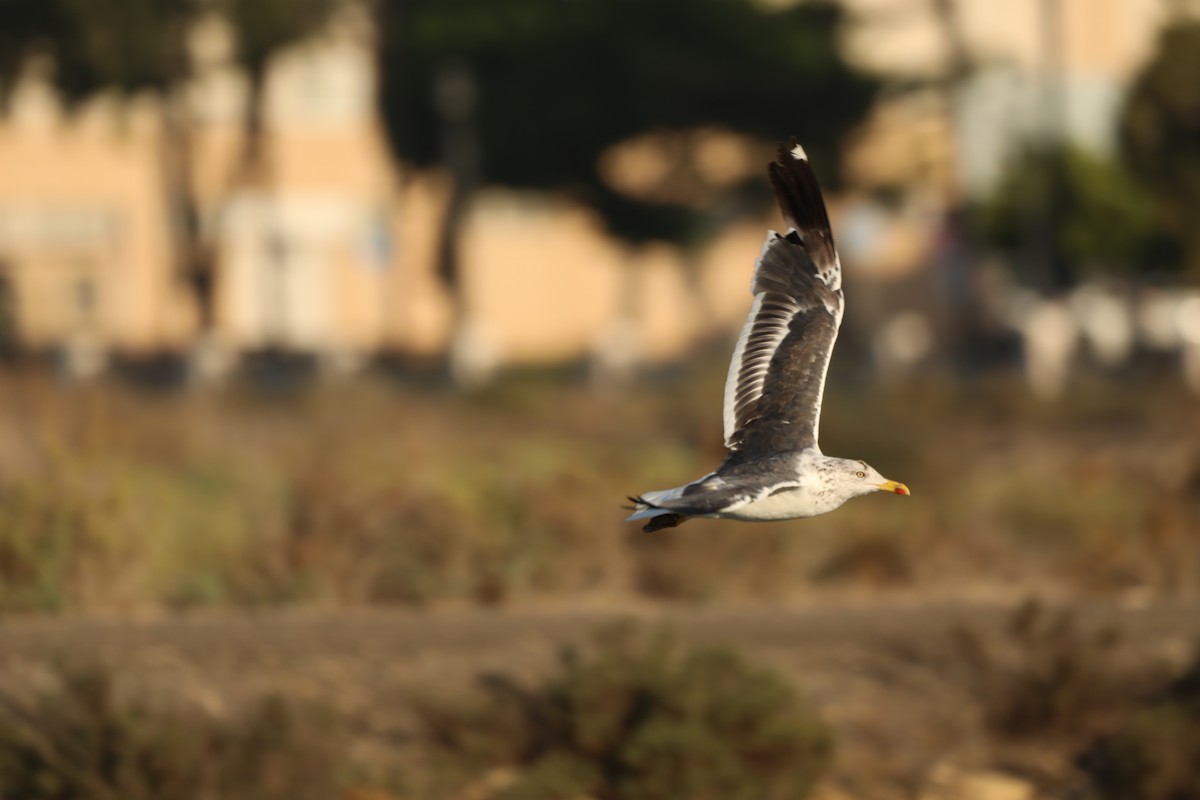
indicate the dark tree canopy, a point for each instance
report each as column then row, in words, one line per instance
column 126, row 46
column 557, row 82
column 1103, row 217
column 25, row 29
column 1160, row 134
column 97, row 45
column 262, row 28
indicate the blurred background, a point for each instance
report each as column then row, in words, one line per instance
column 333, row 334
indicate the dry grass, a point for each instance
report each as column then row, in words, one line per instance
column 370, row 492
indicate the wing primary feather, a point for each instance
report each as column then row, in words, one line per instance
column 802, row 205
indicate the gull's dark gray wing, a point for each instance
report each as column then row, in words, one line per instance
column 777, row 375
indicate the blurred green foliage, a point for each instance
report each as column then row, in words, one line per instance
column 1132, row 213
column 364, row 493
column 551, row 85
column 1105, row 218
column 263, row 28
column 129, row 46
column 640, row 721
column 1160, row 134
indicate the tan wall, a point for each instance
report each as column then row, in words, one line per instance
column 81, row 200
column 543, row 281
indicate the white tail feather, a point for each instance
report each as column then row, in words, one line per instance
column 647, row 503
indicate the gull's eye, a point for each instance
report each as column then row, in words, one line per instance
column 861, row 474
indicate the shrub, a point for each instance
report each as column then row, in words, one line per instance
column 1155, row 753
column 1053, row 680
column 639, row 721
column 81, row 742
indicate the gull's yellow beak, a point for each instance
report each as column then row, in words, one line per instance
column 894, row 486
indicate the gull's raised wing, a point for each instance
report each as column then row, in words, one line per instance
column 777, row 375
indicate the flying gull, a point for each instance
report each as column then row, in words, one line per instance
column 774, row 469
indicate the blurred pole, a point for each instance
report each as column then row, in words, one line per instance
column 454, row 94
column 955, row 263
column 454, row 99
column 277, row 281
column 387, row 17
column 954, row 74
column 1056, row 266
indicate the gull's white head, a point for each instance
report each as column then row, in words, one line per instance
column 856, row 478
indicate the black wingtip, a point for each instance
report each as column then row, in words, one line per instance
column 800, row 200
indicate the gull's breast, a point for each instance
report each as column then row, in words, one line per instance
column 802, row 501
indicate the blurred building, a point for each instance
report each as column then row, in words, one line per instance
column 334, row 253
column 979, row 79
column 85, row 230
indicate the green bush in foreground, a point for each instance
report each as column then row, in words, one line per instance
column 1055, row 680
column 640, row 722
column 82, row 742
column 1155, row 754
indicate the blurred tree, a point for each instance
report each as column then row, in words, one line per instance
column 532, row 94
column 1160, row 134
column 262, row 29
column 1105, row 219
column 25, row 29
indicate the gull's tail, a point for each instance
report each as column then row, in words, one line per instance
column 645, row 507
